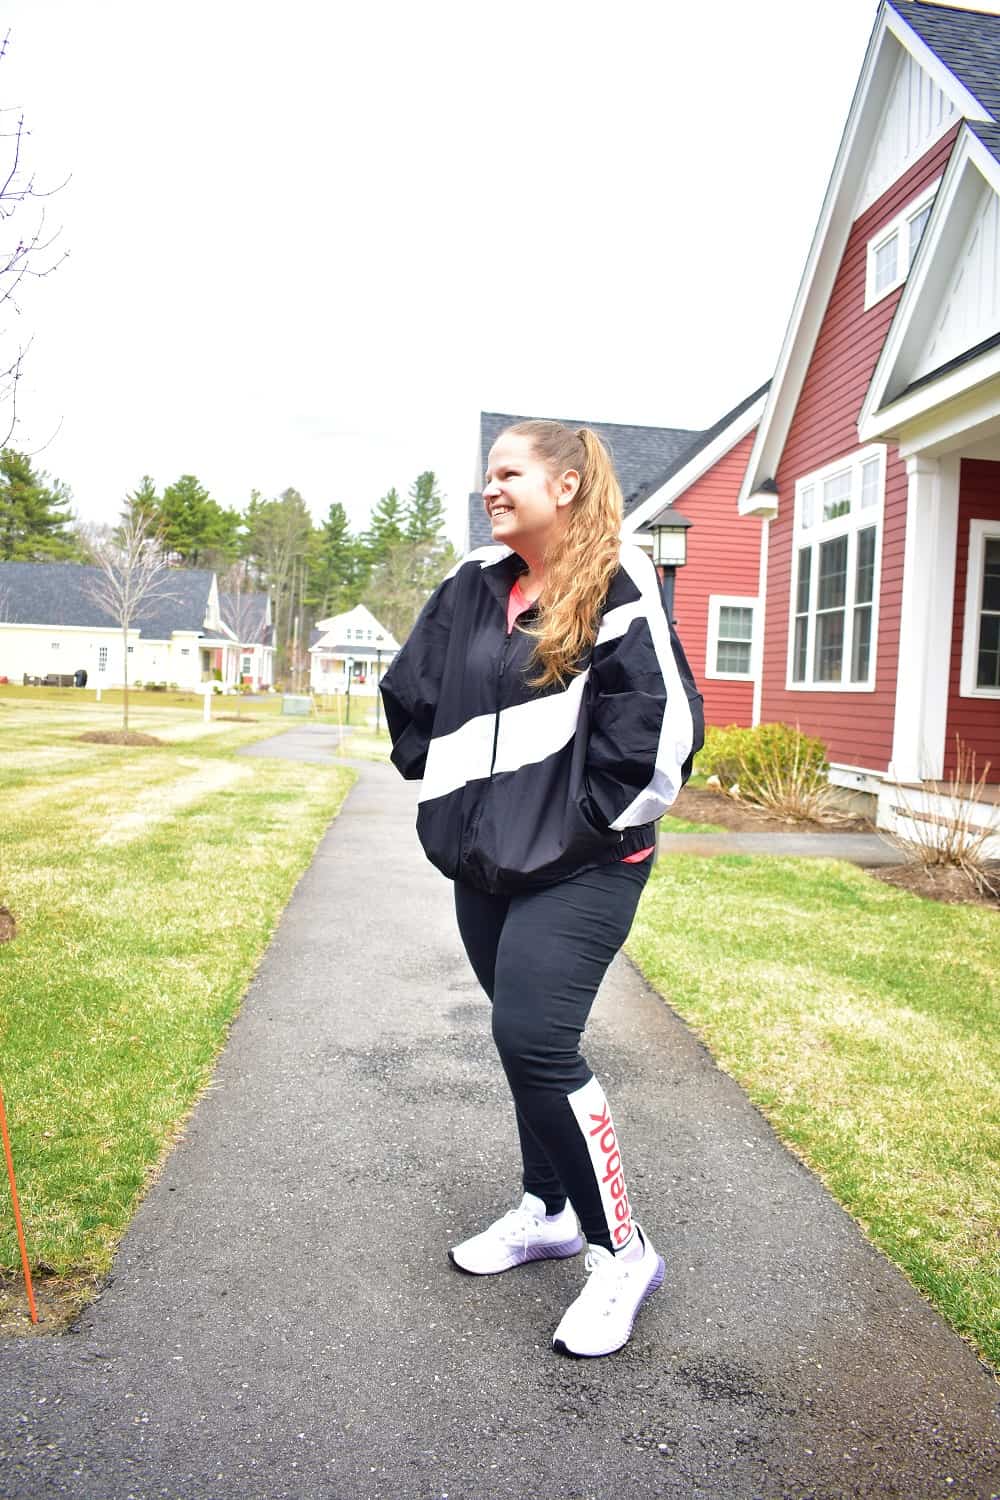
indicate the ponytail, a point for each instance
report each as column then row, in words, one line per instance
column 583, row 560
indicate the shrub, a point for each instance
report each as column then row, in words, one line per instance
column 957, row 837
column 774, row 766
column 737, row 754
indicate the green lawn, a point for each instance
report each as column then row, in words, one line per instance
column 865, row 1023
column 146, row 884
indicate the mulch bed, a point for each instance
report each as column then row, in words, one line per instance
column 947, row 884
column 8, row 927
column 118, row 737
column 702, row 805
column 234, row 718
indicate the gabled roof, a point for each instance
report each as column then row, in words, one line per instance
column 253, row 617
column 956, row 48
column 706, row 450
column 640, row 454
column 340, row 633
column 967, row 42
column 933, row 351
column 57, row 594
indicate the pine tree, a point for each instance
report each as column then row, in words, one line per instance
column 34, row 518
column 386, row 527
column 142, row 505
column 336, row 566
column 425, row 517
column 197, row 531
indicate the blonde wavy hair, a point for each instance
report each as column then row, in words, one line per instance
column 582, row 561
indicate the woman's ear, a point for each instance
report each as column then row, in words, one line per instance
column 569, row 485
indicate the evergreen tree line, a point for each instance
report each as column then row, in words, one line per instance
column 310, row 571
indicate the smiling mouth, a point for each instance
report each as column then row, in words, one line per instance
column 500, row 510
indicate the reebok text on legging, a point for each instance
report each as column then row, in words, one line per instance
column 540, row 956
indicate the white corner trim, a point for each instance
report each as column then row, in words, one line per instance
column 758, row 670
column 705, row 459
column 978, row 532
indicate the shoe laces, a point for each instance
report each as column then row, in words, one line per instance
column 605, row 1277
column 517, row 1224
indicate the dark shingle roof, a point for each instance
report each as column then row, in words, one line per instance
column 988, row 134
column 967, row 42
column 703, row 439
column 356, row 648
column 639, row 455
column 252, row 617
column 56, row 594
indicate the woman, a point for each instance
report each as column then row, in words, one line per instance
column 547, row 707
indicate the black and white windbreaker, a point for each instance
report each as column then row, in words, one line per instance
column 525, row 786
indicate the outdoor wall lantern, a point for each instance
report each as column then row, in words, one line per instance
column 669, row 530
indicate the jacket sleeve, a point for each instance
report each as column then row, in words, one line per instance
column 411, row 686
column 646, row 720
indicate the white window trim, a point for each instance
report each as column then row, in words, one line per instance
column 851, row 523
column 899, row 225
column 978, row 532
column 716, row 603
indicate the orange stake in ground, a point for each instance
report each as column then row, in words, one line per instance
column 17, row 1209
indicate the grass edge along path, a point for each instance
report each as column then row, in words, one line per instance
column 131, row 962
column 863, row 1022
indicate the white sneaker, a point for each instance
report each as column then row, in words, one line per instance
column 522, row 1235
column 600, row 1320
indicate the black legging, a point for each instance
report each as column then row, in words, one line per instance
column 540, row 956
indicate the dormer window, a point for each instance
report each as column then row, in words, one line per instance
column 891, row 252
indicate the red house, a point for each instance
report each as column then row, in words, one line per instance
column 716, row 598
column 875, row 468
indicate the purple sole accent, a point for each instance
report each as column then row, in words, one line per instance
column 561, row 1251
column 654, row 1283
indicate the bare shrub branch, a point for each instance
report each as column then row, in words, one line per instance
column 955, row 838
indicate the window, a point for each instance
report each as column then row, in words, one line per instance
column 892, row 250
column 55, row 645
column 102, row 658
column 836, row 556
column 245, row 669
column 981, row 636
column 130, row 650
column 731, row 630
column 886, row 261
column 185, row 650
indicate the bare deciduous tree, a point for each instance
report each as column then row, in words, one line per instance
column 26, row 254
column 241, row 613
column 133, row 576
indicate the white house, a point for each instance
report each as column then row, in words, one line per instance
column 50, row 625
column 353, row 645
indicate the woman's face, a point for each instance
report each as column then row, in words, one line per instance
column 525, row 503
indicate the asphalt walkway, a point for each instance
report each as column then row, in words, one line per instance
column 283, row 1322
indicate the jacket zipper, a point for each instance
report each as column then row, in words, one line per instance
column 496, row 724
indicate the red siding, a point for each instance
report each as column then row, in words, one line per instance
column 723, row 558
column 976, row 721
column 856, row 727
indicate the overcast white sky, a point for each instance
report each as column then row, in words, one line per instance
column 309, row 243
